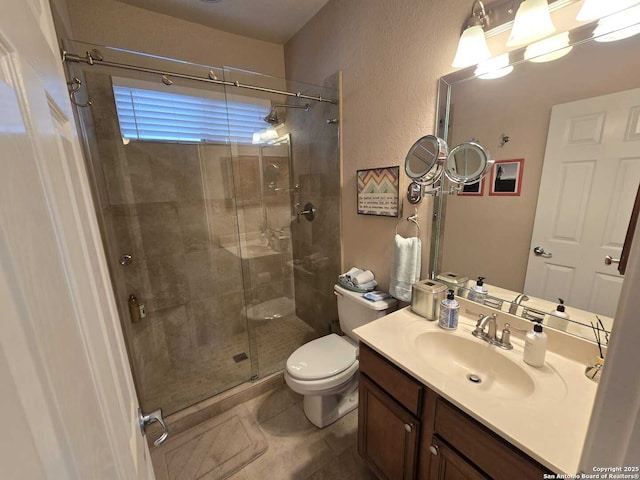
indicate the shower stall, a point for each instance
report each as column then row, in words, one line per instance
column 200, row 179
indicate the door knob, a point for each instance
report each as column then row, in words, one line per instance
column 433, row 449
column 539, row 251
column 608, row 260
column 155, row 416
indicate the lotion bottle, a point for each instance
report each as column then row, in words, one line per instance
column 449, row 311
column 535, row 346
column 479, row 292
column 559, row 319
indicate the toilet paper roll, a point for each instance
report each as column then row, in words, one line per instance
column 363, row 277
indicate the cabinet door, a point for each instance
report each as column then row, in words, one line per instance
column 447, row 465
column 387, row 433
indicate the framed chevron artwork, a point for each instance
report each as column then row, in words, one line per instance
column 379, row 191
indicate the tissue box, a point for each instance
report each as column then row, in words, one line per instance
column 454, row 281
column 426, row 296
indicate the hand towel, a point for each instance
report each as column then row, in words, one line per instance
column 405, row 266
column 367, row 286
column 364, row 277
column 353, row 271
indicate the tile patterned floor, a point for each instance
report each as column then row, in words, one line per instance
column 297, row 450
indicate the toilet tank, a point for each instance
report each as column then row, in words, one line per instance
column 354, row 310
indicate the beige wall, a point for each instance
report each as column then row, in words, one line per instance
column 519, row 105
column 112, row 23
column 392, row 54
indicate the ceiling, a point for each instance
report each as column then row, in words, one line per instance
column 273, row 21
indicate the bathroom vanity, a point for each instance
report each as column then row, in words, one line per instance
column 420, row 416
column 406, row 430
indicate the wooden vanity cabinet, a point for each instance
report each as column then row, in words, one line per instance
column 406, row 431
column 448, row 465
column 388, row 417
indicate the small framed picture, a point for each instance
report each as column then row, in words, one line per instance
column 473, row 190
column 506, row 177
column 379, row 191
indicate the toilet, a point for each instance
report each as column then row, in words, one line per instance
column 325, row 370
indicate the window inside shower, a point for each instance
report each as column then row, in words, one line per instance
column 196, row 196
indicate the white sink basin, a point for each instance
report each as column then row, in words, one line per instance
column 484, row 367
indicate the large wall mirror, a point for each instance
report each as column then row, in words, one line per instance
column 575, row 124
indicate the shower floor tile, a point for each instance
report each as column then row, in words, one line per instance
column 211, row 369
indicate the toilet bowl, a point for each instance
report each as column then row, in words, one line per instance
column 325, row 370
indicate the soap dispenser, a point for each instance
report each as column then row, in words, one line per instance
column 479, row 292
column 559, row 319
column 535, row 346
column 449, row 311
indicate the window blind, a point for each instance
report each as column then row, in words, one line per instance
column 146, row 114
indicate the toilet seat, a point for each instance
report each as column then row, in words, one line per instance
column 324, row 386
column 322, row 358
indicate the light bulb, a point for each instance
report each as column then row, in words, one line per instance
column 548, row 49
column 618, row 26
column 472, row 48
column 595, row 9
column 532, row 23
column 494, row 68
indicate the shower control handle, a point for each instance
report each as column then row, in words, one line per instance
column 155, row 416
column 309, row 211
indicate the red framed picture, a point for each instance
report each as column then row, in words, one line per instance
column 506, row 177
column 473, row 190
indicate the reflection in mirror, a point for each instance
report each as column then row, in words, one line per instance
column 467, row 163
column 535, row 309
column 558, row 119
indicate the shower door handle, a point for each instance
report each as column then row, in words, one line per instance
column 155, row 416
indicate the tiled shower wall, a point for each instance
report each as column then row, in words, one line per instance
column 316, row 245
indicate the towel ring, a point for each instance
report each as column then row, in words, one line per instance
column 412, row 218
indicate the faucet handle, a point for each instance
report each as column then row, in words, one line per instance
column 505, row 339
column 479, row 331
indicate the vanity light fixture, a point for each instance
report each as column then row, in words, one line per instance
column 595, row 9
column 532, row 22
column 472, row 47
column 618, row 26
column 494, row 67
column 548, row 49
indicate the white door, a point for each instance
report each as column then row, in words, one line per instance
column 589, row 181
column 67, row 401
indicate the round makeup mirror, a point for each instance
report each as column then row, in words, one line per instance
column 426, row 159
column 467, row 163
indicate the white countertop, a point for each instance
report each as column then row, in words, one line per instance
column 550, row 425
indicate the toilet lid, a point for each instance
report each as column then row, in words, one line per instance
column 321, row 358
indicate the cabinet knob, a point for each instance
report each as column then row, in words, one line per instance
column 408, row 427
column 433, row 449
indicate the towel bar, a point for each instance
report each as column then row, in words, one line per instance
column 411, row 218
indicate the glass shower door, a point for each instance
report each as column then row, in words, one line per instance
column 167, row 210
column 289, row 263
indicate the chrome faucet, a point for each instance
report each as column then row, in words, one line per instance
column 513, row 308
column 491, row 335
